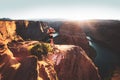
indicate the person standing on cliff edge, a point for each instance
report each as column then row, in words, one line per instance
column 51, row 31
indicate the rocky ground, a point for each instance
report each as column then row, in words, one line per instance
column 66, row 63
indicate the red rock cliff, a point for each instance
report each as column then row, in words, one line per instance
column 67, row 63
column 71, row 33
column 27, row 68
column 7, row 31
column 72, row 63
column 105, row 31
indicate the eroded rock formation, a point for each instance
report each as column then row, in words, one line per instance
column 107, row 34
column 71, row 33
column 31, row 30
column 67, row 63
column 8, row 31
column 24, row 67
column 105, row 31
column 72, row 63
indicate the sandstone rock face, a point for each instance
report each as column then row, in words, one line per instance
column 31, row 30
column 26, row 68
column 7, row 31
column 20, row 65
column 71, row 33
column 72, row 63
column 104, row 31
column 67, row 63
column 7, row 62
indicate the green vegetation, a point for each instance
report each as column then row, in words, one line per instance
column 40, row 49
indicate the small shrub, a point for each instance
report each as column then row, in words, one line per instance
column 40, row 50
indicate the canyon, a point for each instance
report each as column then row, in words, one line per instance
column 68, row 61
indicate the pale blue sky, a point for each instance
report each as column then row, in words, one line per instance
column 66, row 9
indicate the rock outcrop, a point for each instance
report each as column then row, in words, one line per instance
column 8, row 31
column 105, row 31
column 67, row 63
column 68, row 33
column 72, row 63
column 19, row 64
column 31, row 30
column 24, row 67
column 71, row 33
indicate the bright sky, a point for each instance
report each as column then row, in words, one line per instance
column 63, row 9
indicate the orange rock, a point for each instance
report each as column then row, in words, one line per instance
column 72, row 63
